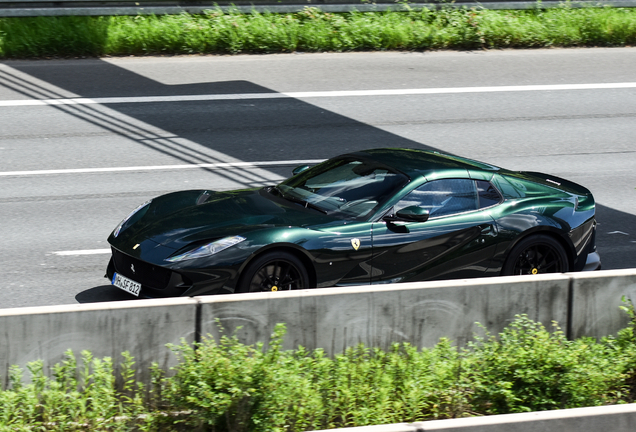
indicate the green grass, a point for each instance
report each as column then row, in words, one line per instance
column 313, row 31
column 229, row 386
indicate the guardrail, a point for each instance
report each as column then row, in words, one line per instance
column 31, row 8
column 584, row 304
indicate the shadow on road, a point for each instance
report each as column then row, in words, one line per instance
column 239, row 128
column 616, row 238
column 103, row 293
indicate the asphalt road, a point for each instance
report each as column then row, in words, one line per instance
column 70, row 170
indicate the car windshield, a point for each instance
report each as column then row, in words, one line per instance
column 346, row 188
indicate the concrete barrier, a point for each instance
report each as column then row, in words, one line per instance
column 596, row 298
column 419, row 313
column 615, row 418
column 106, row 329
column 328, row 318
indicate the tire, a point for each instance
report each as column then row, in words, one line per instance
column 274, row 271
column 537, row 254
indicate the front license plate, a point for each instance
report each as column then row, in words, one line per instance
column 126, row 284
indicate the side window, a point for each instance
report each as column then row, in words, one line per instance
column 488, row 194
column 443, row 197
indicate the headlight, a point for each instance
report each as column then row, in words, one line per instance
column 132, row 213
column 208, row 249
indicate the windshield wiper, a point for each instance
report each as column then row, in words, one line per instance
column 272, row 189
column 300, row 201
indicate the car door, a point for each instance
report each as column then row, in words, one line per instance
column 341, row 253
column 457, row 241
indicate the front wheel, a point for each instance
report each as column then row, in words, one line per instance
column 537, row 254
column 274, row 271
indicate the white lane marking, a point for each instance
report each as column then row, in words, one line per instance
column 343, row 93
column 618, row 232
column 161, row 167
column 83, row 252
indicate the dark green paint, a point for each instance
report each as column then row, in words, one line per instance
column 375, row 250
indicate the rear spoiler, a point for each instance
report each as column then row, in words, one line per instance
column 556, row 182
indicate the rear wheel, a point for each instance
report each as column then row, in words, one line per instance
column 274, row 271
column 537, row 254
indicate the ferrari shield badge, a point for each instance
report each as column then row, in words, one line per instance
column 355, row 243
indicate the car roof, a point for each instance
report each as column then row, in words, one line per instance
column 416, row 163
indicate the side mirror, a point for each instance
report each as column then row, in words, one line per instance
column 300, row 169
column 413, row 213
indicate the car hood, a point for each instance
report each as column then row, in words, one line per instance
column 181, row 218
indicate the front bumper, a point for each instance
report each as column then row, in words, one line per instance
column 159, row 282
column 593, row 262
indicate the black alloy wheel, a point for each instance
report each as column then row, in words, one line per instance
column 275, row 271
column 538, row 254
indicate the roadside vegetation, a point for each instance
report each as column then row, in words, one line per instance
column 218, row 32
column 229, row 386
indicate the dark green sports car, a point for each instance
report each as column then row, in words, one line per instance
column 375, row 216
